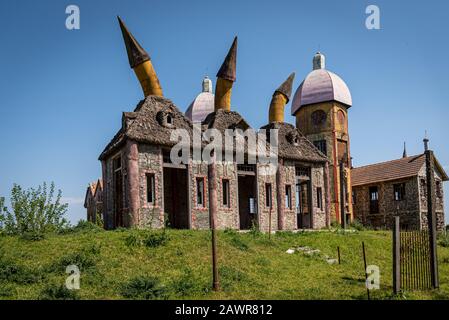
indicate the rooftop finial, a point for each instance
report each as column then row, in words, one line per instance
column 319, row 61
column 404, row 154
column 426, row 142
column 207, row 84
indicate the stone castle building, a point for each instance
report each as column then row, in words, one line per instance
column 310, row 188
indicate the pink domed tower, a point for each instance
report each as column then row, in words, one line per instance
column 320, row 106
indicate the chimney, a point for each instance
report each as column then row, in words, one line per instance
column 225, row 79
column 280, row 98
column 140, row 61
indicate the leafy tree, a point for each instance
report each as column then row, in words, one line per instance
column 33, row 211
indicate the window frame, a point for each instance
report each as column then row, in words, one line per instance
column 288, row 197
column 150, row 183
column 268, row 199
column 225, row 193
column 321, row 145
column 399, row 192
column 319, row 198
column 200, row 204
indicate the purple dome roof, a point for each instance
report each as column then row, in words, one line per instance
column 201, row 107
column 321, row 85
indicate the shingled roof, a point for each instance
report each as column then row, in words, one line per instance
column 392, row 170
column 147, row 124
column 292, row 144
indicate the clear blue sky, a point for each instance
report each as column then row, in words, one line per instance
column 62, row 92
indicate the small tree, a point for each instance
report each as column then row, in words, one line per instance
column 2, row 214
column 33, row 211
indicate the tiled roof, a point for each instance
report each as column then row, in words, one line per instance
column 391, row 170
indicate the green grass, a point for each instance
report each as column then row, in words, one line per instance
column 132, row 264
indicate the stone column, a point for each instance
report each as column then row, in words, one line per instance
column 327, row 189
column 279, row 193
column 132, row 164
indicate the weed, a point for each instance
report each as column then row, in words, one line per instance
column 188, row 284
column 144, row 288
column 57, row 292
column 13, row 272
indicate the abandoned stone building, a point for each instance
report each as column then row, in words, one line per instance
column 93, row 201
column 384, row 190
column 312, row 185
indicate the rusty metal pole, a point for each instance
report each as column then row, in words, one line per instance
column 338, row 251
column 342, row 195
column 213, row 201
column 366, row 274
column 396, row 256
column 431, row 214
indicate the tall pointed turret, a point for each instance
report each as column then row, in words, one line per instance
column 280, row 98
column 225, row 78
column 140, row 61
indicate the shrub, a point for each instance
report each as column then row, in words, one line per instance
column 12, row 272
column 357, row 225
column 84, row 259
column 57, row 292
column 34, row 212
column 254, row 231
column 82, row 226
column 148, row 239
column 188, row 284
column 144, row 288
column 154, row 240
column 444, row 240
column 6, row 290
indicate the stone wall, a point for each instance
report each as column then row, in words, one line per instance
column 439, row 199
column 408, row 209
column 227, row 216
column 266, row 176
column 150, row 162
column 199, row 214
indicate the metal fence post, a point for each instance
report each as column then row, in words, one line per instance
column 396, row 256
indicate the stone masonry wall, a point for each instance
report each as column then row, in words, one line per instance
column 227, row 216
column 199, row 214
column 150, row 162
column 408, row 209
column 266, row 177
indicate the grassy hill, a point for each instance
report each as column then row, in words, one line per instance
column 176, row 264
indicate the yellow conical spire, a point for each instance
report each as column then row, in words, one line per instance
column 225, row 79
column 280, row 98
column 140, row 61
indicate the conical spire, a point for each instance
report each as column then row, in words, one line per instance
column 404, row 154
column 136, row 54
column 227, row 70
column 280, row 98
column 286, row 87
